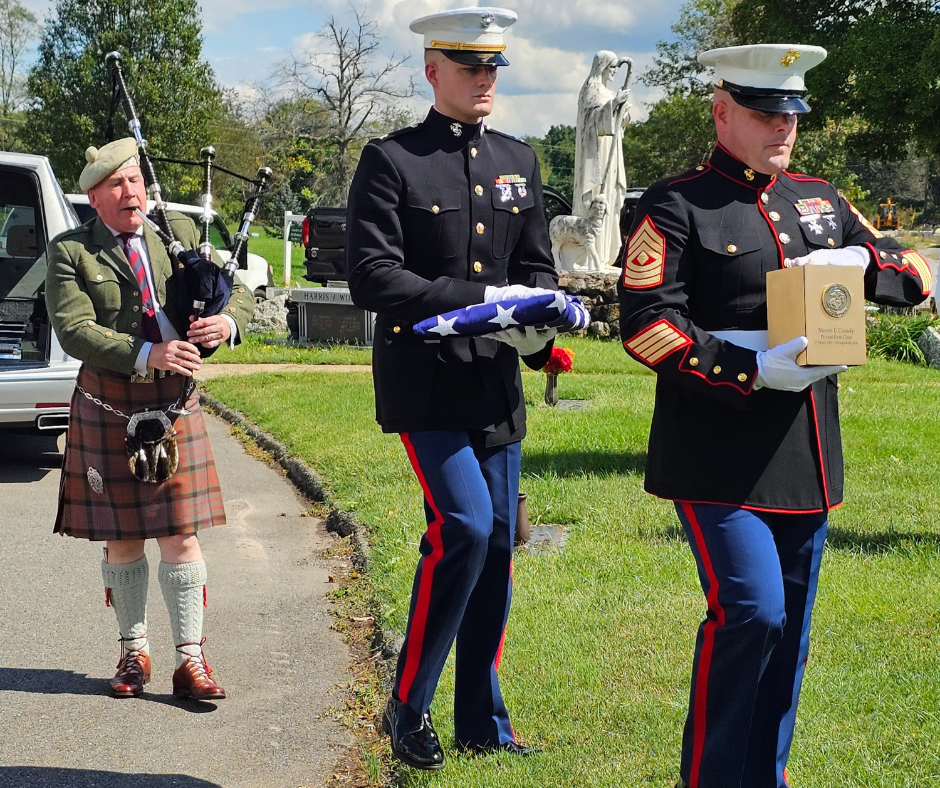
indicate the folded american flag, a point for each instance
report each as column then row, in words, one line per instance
column 557, row 310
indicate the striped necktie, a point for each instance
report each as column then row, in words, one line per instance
column 149, row 327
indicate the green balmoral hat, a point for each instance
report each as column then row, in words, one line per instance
column 102, row 162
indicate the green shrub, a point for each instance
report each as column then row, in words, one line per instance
column 895, row 336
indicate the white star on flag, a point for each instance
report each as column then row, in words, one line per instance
column 444, row 327
column 504, row 317
column 559, row 303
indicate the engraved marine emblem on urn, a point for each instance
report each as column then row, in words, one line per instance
column 836, row 300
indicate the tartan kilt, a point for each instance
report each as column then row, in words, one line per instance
column 127, row 508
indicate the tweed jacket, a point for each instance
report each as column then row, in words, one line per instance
column 94, row 301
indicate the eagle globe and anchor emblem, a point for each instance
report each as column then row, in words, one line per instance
column 836, row 300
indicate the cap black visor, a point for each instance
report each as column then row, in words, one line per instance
column 774, row 105
column 468, row 58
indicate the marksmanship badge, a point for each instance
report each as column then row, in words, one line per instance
column 836, row 300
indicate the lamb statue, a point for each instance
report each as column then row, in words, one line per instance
column 580, row 231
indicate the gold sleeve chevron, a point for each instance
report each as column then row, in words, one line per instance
column 656, row 342
column 916, row 261
column 865, row 223
column 646, row 257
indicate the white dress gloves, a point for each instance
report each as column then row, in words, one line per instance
column 526, row 339
column 777, row 367
column 494, row 294
column 851, row 255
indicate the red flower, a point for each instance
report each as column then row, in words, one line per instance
column 560, row 361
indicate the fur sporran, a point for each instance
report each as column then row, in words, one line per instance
column 153, row 455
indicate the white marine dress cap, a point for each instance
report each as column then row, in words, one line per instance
column 471, row 36
column 765, row 77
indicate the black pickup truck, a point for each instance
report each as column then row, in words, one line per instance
column 324, row 241
column 324, row 233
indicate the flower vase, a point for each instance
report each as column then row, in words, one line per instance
column 551, row 389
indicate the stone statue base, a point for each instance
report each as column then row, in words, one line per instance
column 598, row 292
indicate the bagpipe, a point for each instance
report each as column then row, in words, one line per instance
column 202, row 287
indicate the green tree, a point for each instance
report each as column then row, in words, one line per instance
column 174, row 89
column 17, row 28
column 883, row 66
column 353, row 88
column 678, row 134
column 556, row 151
column 702, row 25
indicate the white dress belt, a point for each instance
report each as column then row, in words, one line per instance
column 752, row 340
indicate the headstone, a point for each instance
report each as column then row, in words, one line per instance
column 328, row 314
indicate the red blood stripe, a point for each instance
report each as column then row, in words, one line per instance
column 420, row 620
column 502, row 640
column 708, row 645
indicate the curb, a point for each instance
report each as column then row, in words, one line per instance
column 310, row 484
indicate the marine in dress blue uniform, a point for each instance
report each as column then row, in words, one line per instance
column 744, row 441
column 442, row 216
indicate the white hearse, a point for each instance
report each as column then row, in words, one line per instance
column 37, row 377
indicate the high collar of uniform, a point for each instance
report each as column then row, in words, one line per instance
column 737, row 170
column 465, row 132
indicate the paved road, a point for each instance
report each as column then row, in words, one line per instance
column 269, row 642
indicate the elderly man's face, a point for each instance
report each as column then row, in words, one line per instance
column 762, row 140
column 116, row 197
column 462, row 92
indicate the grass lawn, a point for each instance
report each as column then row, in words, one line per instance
column 272, row 250
column 259, row 349
column 598, row 652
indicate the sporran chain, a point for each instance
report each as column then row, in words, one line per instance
column 110, row 408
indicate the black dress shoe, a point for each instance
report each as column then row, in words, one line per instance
column 414, row 740
column 513, row 748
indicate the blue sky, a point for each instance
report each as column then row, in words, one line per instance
column 550, row 47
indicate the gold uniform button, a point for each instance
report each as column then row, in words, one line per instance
column 231, row 309
column 473, row 153
column 742, row 377
column 435, row 209
column 107, row 333
column 90, row 323
column 716, row 370
column 515, row 209
column 884, row 256
column 99, row 277
column 775, row 216
column 396, row 330
column 831, row 242
column 699, row 168
column 693, row 362
column 240, row 301
column 732, row 248
column 478, row 191
column 764, row 198
column 480, row 228
column 784, row 238
column 478, row 266
column 241, row 289
column 133, row 325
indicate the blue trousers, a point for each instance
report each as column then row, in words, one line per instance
column 759, row 572
column 463, row 582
